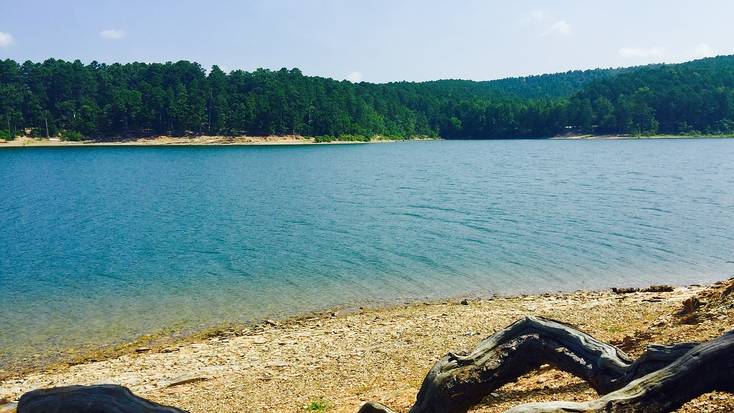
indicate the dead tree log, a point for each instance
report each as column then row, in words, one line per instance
column 459, row 381
column 106, row 398
column 706, row 368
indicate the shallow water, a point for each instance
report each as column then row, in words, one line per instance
column 101, row 244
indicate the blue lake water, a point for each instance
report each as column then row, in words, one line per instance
column 101, row 244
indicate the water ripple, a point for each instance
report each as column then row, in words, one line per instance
column 195, row 236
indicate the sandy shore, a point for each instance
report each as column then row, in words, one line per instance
column 165, row 140
column 342, row 360
column 633, row 137
column 185, row 141
column 205, row 140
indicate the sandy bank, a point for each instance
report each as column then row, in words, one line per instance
column 165, row 140
column 382, row 354
column 279, row 140
column 185, row 141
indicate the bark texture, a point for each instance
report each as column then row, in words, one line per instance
column 706, row 368
column 659, row 381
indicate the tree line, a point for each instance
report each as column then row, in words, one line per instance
column 97, row 100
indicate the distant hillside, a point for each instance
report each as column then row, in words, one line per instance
column 693, row 97
column 74, row 100
column 553, row 85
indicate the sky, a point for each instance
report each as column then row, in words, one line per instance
column 371, row 40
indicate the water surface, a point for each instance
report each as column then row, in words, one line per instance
column 101, row 244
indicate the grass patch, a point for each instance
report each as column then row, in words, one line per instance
column 317, row 406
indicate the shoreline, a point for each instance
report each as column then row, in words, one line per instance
column 199, row 140
column 178, row 335
column 346, row 357
column 295, row 140
column 634, row 138
column 181, row 334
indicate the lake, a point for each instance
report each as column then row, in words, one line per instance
column 101, row 244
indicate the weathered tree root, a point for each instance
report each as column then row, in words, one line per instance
column 106, row 398
column 458, row 382
column 707, row 367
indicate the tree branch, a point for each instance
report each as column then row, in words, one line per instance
column 459, row 381
column 707, row 367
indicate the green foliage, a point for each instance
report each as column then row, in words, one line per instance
column 71, row 136
column 324, row 138
column 6, row 135
column 554, row 85
column 688, row 98
column 182, row 98
column 353, row 138
column 317, row 406
column 342, row 138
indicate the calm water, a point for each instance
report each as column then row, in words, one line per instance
column 102, row 244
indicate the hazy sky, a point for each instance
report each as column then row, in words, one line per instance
column 377, row 41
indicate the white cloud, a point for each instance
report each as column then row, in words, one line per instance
column 538, row 15
column 641, row 52
column 703, row 50
column 539, row 18
column 561, row 27
column 534, row 17
column 354, row 77
column 112, row 34
column 6, row 39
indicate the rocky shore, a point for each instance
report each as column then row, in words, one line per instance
column 334, row 362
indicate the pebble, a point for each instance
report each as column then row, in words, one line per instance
column 278, row 364
column 8, row 407
column 259, row 340
column 186, row 379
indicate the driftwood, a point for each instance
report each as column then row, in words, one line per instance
column 662, row 379
column 706, row 368
column 106, row 398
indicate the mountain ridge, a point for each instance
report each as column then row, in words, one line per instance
column 73, row 100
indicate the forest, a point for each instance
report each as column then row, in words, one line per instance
column 115, row 101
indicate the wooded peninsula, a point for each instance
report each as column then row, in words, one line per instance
column 75, row 101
